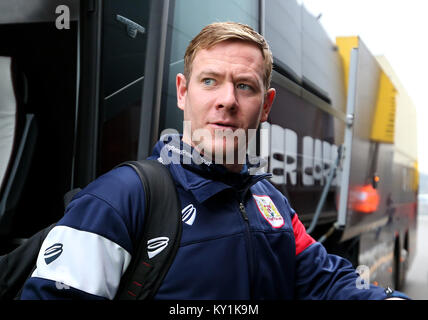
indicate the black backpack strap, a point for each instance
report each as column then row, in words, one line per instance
column 68, row 196
column 161, row 235
column 19, row 264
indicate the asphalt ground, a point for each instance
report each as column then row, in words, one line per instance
column 416, row 285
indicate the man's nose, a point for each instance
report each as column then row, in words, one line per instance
column 227, row 97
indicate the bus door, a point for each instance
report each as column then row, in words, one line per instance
column 38, row 90
column 114, row 42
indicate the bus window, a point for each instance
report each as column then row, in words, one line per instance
column 124, row 47
column 181, row 30
column 43, row 73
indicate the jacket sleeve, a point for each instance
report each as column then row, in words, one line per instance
column 85, row 255
column 320, row 275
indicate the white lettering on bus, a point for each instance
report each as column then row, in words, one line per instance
column 317, row 159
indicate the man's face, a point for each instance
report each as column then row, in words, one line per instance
column 225, row 94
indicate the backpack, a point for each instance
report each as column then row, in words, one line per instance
column 144, row 274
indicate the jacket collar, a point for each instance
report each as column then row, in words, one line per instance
column 201, row 177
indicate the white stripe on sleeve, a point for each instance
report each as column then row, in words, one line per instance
column 82, row 260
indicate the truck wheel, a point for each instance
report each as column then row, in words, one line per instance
column 400, row 265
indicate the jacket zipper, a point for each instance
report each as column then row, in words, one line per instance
column 248, row 241
column 243, row 212
column 249, row 246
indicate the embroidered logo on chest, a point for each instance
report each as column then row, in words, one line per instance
column 188, row 214
column 269, row 211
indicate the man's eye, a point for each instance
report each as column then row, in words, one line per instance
column 208, row 81
column 244, row 86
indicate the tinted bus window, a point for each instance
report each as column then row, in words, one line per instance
column 303, row 150
column 122, row 80
column 189, row 17
column 42, row 74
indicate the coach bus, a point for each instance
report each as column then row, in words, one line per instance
column 85, row 85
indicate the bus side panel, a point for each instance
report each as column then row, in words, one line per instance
column 368, row 202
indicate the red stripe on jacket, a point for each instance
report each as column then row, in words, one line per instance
column 303, row 240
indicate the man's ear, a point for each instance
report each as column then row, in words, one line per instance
column 267, row 104
column 181, row 85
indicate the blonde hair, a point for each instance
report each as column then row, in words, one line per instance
column 218, row 32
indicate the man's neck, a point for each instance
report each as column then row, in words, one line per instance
column 233, row 167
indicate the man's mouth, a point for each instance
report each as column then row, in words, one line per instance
column 223, row 126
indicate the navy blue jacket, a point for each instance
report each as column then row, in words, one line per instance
column 241, row 240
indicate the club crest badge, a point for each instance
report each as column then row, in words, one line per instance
column 269, row 211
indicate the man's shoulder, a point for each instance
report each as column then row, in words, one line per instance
column 111, row 206
column 120, row 187
column 267, row 187
column 123, row 177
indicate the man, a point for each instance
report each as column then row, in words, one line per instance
column 243, row 240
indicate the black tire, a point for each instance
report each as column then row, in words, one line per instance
column 399, row 267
